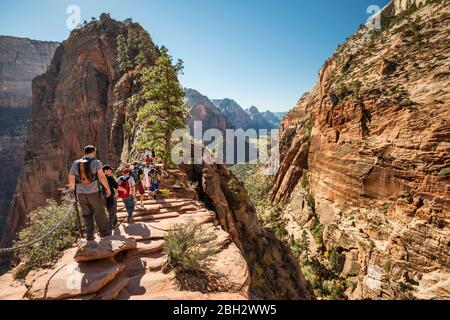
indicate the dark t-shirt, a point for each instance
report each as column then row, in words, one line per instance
column 113, row 185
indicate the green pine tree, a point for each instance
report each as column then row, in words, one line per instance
column 122, row 53
column 145, row 49
column 132, row 46
column 164, row 109
column 304, row 245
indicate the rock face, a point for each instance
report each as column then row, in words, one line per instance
column 20, row 61
column 202, row 109
column 274, row 270
column 371, row 145
column 80, row 100
column 105, row 248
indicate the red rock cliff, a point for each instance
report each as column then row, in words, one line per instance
column 20, row 61
column 371, row 144
column 80, row 100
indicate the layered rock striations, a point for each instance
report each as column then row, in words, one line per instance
column 20, row 61
column 367, row 153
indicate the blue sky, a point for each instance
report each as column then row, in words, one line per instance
column 265, row 53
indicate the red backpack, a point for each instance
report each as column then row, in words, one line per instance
column 124, row 183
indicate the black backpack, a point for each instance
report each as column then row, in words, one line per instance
column 85, row 174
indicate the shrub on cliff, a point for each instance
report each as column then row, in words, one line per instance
column 255, row 182
column 336, row 261
column 444, row 171
column 45, row 251
column 189, row 249
column 317, row 230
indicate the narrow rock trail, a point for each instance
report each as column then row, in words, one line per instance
column 129, row 264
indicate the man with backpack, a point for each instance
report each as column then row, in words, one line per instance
column 137, row 172
column 85, row 177
column 127, row 192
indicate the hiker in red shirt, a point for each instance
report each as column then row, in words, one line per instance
column 127, row 183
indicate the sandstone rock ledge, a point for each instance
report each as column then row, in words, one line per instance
column 129, row 264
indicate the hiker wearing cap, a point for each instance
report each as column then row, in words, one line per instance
column 111, row 201
column 86, row 176
column 137, row 172
column 127, row 192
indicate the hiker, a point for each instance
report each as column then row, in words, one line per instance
column 111, row 201
column 148, row 159
column 127, row 192
column 155, row 179
column 85, row 177
column 136, row 173
column 146, row 178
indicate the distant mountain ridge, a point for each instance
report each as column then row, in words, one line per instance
column 226, row 113
column 202, row 109
column 274, row 118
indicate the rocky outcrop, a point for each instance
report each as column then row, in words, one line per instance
column 202, row 109
column 370, row 145
column 274, row 270
column 133, row 265
column 80, row 100
column 20, row 61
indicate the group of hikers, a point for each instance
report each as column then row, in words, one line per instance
column 96, row 189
